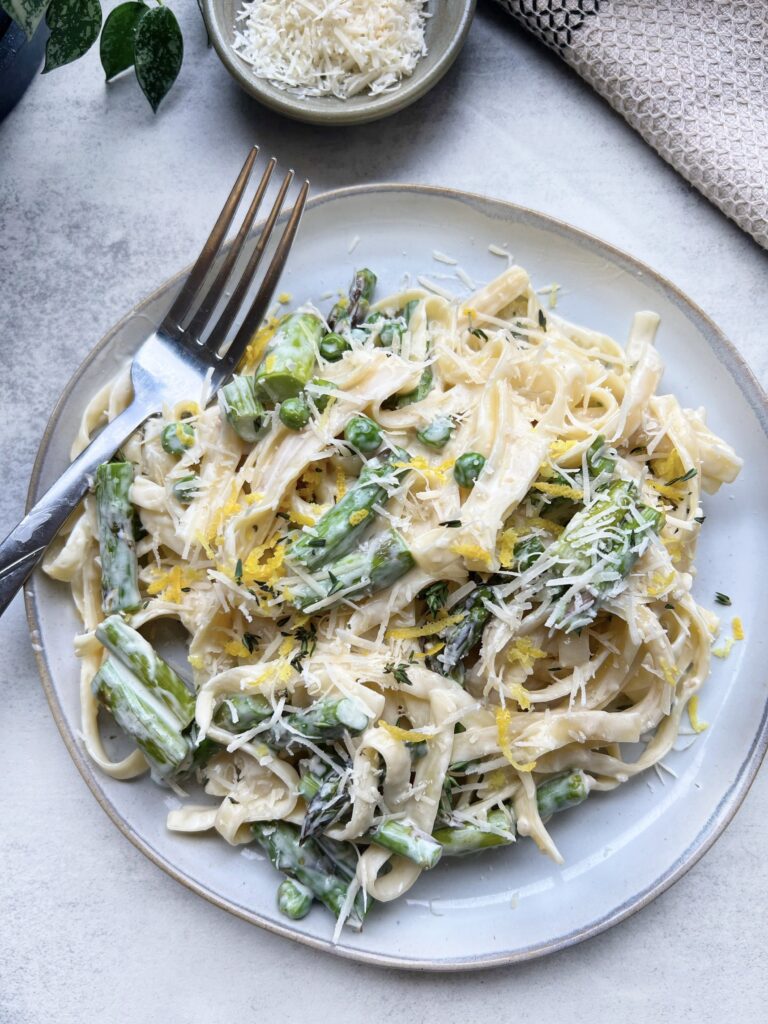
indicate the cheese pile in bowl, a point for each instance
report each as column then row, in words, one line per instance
column 332, row 47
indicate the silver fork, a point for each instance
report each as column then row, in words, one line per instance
column 177, row 360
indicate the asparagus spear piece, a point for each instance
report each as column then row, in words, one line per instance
column 117, row 546
column 185, row 489
column 306, row 863
column 355, row 310
column 386, row 329
column 526, row 551
column 334, row 535
column 406, row 839
column 332, row 800
column 561, row 792
column 418, row 394
column 462, row 637
column 242, row 409
column 469, row 838
column 327, row 805
column 137, row 654
column 556, row 794
column 601, row 458
column 600, row 545
column 343, row 856
column 242, row 712
column 375, row 566
column 140, row 714
column 322, row 722
column 289, row 360
column 294, row 899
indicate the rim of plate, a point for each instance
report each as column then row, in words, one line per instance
column 721, row 814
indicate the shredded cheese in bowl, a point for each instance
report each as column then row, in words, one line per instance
column 332, row 47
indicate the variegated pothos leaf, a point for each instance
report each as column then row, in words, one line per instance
column 26, row 13
column 158, row 53
column 74, row 26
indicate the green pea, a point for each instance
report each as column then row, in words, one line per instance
column 294, row 899
column 177, row 437
column 294, row 413
column 185, row 489
column 320, row 400
column 436, row 434
column 333, row 346
column 468, row 468
column 363, row 434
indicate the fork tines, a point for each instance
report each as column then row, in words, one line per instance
column 192, row 311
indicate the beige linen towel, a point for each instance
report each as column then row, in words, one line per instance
column 691, row 76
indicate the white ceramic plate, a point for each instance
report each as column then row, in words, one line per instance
column 622, row 848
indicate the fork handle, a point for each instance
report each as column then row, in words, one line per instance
column 23, row 548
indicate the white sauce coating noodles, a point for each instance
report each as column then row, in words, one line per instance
column 591, row 649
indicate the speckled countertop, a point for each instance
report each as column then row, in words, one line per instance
column 99, row 202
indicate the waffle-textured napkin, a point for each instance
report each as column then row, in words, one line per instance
column 691, row 76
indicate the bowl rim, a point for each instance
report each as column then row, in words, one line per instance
column 375, row 107
column 720, row 816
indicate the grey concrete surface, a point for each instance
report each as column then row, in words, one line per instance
column 99, row 202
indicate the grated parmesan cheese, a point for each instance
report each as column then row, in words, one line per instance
column 331, row 47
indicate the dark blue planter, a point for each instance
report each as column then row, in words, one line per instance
column 20, row 60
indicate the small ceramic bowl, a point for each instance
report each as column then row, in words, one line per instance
column 445, row 32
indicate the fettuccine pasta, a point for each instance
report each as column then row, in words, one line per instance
column 433, row 561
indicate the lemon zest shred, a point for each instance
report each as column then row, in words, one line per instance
column 284, row 298
column 537, row 523
column 429, row 652
column 725, row 648
column 519, row 693
column 473, row 552
column 404, row 735
column 503, row 719
column 524, row 652
column 341, row 484
column 507, row 548
column 195, row 660
column 434, row 474
column 413, row 632
column 269, row 570
column 737, row 628
column 169, row 585
column 559, row 491
column 237, row 649
column 357, row 517
column 669, row 672
column 693, row 715
column 204, row 543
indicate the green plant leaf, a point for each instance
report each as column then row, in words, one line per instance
column 158, row 53
column 118, row 37
column 26, row 13
column 74, row 26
